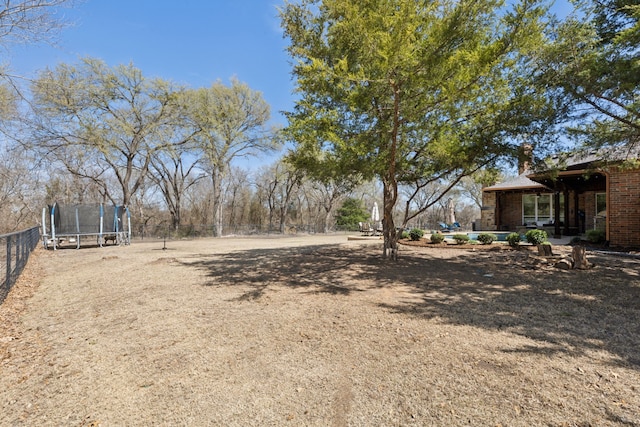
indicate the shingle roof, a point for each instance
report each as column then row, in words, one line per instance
column 568, row 161
column 580, row 158
column 519, row 182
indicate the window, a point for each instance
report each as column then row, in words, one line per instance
column 601, row 204
column 538, row 208
column 529, row 208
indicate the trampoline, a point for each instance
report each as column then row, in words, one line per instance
column 72, row 223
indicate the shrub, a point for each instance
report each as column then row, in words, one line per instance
column 460, row 238
column 487, row 238
column 416, row 234
column 437, row 238
column 596, row 236
column 404, row 234
column 513, row 239
column 536, row 237
column 350, row 214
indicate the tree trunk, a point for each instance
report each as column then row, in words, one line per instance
column 580, row 258
column 175, row 218
column 328, row 208
column 390, row 249
column 283, row 218
column 327, row 221
column 390, row 183
column 216, row 178
column 545, row 250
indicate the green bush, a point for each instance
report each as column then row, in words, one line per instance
column 404, row 234
column 461, row 238
column 487, row 238
column 576, row 240
column 350, row 214
column 513, row 239
column 416, row 234
column 437, row 238
column 596, row 236
column 536, row 237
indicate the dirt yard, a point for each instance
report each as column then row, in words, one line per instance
column 319, row 331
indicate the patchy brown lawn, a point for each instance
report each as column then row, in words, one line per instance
column 319, row 331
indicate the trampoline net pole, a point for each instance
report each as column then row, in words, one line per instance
column 53, row 224
column 44, row 227
column 101, row 224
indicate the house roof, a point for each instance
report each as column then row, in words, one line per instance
column 519, row 182
column 583, row 159
column 575, row 162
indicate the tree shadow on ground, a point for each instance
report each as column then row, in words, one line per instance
column 320, row 268
column 572, row 312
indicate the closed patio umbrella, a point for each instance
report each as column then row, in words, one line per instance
column 375, row 217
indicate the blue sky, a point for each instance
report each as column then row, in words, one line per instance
column 193, row 42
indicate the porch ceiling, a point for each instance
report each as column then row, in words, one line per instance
column 576, row 180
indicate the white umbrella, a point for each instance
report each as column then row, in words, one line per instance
column 375, row 216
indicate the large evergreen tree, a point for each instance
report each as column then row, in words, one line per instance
column 406, row 91
column 351, row 213
column 593, row 64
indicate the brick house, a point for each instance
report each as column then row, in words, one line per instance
column 577, row 196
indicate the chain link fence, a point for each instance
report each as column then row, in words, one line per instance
column 15, row 249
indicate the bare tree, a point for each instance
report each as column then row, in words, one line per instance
column 103, row 122
column 198, row 204
column 331, row 192
column 174, row 172
column 25, row 22
column 229, row 122
column 276, row 185
column 61, row 186
column 471, row 186
column 19, row 197
column 238, row 197
column 30, row 21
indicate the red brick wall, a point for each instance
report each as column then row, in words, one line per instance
column 587, row 204
column 511, row 210
column 511, row 214
column 623, row 209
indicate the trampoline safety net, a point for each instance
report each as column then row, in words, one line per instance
column 75, row 221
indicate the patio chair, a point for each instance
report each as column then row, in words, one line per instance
column 445, row 228
column 365, row 228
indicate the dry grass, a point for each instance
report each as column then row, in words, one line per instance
column 318, row 331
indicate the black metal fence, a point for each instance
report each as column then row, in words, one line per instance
column 15, row 249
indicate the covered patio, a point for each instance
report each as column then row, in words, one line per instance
column 580, row 193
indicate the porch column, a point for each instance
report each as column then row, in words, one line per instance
column 498, row 219
column 556, row 215
column 566, row 212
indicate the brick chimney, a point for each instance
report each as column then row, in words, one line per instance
column 525, row 157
